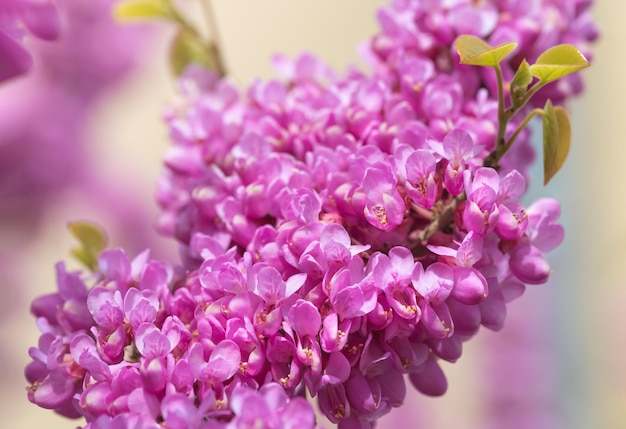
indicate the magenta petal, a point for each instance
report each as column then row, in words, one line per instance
column 349, row 302
column 471, row 250
column 329, row 336
column 475, row 20
column 270, row 285
column 474, row 218
column 374, row 359
column 113, row 348
column 70, row 284
column 449, row 349
column 493, row 310
column 434, row 284
column 470, row 287
column 274, row 395
column 512, row 187
column 41, row 19
column 140, row 306
column 430, row 379
column 54, row 390
column 75, row 315
column 436, row 320
column 529, row 265
column 512, row 222
column 114, row 264
column 105, row 307
column 46, row 306
column 94, row 399
column 354, row 422
column 14, row 59
column 333, row 402
column 486, row 176
column 150, row 342
column 337, row 368
column 224, row 361
column 144, row 403
column 305, row 318
column 457, row 144
column 545, row 207
column 83, row 350
column 298, row 414
column 178, row 411
column 155, row 275
column 420, row 170
column 466, row 317
column 550, row 237
column 453, row 179
column 393, row 387
column 364, row 394
column 385, row 212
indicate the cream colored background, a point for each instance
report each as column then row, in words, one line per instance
column 590, row 278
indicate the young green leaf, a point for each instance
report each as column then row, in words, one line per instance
column 142, row 9
column 557, row 135
column 92, row 241
column 520, row 82
column 475, row 51
column 188, row 48
column 557, row 62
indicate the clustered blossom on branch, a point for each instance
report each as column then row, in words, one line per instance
column 145, row 345
column 338, row 233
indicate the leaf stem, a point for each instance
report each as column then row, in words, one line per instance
column 181, row 20
column 502, row 114
column 214, row 46
column 532, row 91
column 212, row 50
column 517, row 132
column 440, row 222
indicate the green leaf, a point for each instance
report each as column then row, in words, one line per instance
column 476, row 52
column 557, row 62
column 142, row 9
column 520, row 82
column 557, row 136
column 187, row 48
column 92, row 241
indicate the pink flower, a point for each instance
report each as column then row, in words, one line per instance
column 481, row 212
column 42, row 21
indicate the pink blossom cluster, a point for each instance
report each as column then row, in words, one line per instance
column 339, row 235
column 147, row 344
column 146, row 347
column 429, row 27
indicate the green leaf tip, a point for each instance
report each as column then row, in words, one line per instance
column 92, row 241
column 557, row 62
column 519, row 84
column 133, row 10
column 475, row 51
column 557, row 136
column 188, row 48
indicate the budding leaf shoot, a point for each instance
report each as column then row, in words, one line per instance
column 557, row 62
column 92, row 241
column 142, row 9
column 519, row 84
column 475, row 51
column 556, row 140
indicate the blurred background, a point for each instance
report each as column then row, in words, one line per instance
column 566, row 341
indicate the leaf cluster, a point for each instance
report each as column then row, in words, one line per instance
column 553, row 64
column 188, row 46
column 92, row 241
